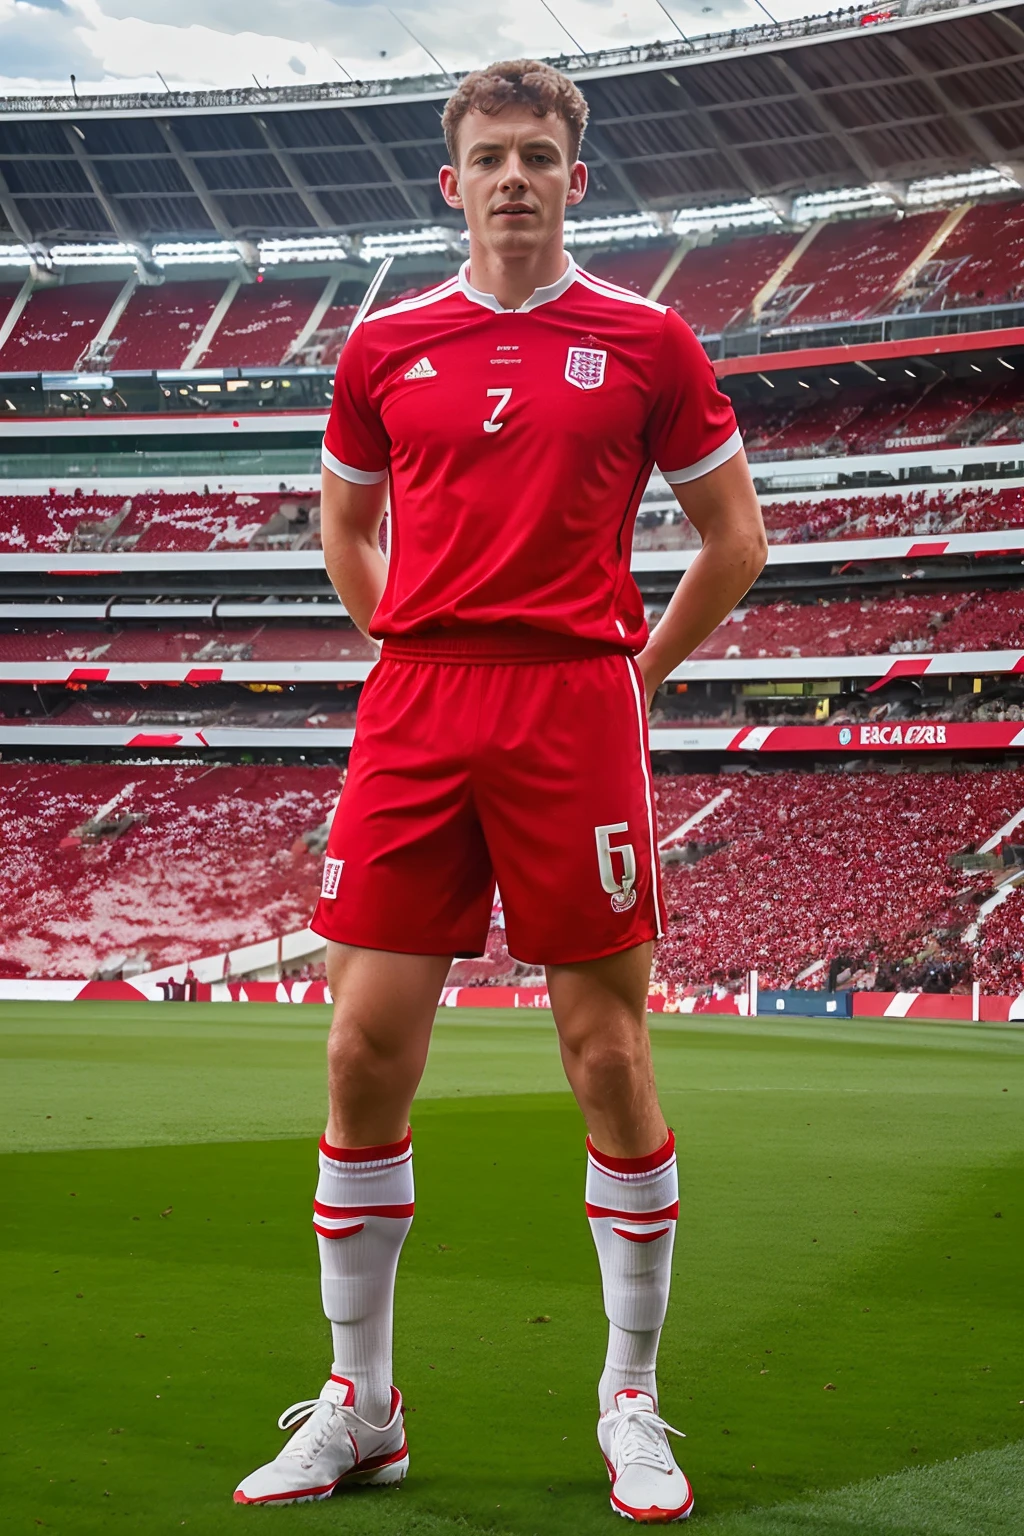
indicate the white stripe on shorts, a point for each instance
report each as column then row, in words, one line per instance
column 641, row 718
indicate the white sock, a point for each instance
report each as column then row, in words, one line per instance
column 632, row 1204
column 361, row 1214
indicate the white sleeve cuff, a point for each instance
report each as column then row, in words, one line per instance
column 712, row 460
column 355, row 476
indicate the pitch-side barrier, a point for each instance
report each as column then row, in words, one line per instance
column 935, row 1006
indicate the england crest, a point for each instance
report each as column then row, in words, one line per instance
column 584, row 367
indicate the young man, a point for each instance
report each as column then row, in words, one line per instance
column 516, row 412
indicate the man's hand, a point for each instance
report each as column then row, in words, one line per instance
column 723, row 507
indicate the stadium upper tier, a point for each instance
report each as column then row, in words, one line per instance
column 919, row 88
column 906, row 273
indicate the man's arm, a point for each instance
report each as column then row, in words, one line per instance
column 723, row 507
column 350, row 519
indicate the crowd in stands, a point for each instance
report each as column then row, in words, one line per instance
column 852, row 267
column 866, row 516
column 804, row 876
column 153, row 862
column 155, row 520
column 60, row 522
column 865, row 421
column 982, row 259
column 56, row 327
column 279, row 641
column 791, row 869
column 160, row 326
column 912, row 622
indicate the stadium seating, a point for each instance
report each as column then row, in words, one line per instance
column 56, row 327
column 146, row 520
column 715, row 285
column 262, row 322
column 160, row 325
column 983, row 259
column 206, row 643
column 852, row 266
column 794, row 868
column 215, row 860
column 638, row 268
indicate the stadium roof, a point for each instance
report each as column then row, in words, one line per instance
column 918, row 88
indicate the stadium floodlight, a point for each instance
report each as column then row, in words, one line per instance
column 1006, row 364
column 410, row 242
column 621, row 226
column 174, row 253
column 976, row 183
column 767, row 380
column 15, row 256
column 724, row 216
column 314, row 248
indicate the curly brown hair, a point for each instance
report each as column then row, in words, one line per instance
column 515, row 81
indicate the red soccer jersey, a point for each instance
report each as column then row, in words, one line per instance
column 518, row 445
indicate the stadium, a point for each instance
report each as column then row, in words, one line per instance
column 836, row 207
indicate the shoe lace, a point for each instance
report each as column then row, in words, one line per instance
column 640, row 1439
column 310, row 1437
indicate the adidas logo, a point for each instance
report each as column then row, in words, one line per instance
column 422, row 370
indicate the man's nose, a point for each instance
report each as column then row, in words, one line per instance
column 514, row 173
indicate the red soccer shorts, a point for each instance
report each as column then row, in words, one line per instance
column 464, row 769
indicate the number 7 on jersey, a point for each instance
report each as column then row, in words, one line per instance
column 503, row 396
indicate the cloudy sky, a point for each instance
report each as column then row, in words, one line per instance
column 121, row 44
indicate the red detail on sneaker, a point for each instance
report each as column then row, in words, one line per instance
column 654, row 1515
column 640, row 1237
column 366, row 1154
column 667, row 1213
column 290, row 1495
column 350, row 1395
column 662, row 1154
column 345, row 1212
column 338, row 1231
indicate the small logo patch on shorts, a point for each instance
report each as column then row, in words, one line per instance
column 623, row 900
column 332, row 875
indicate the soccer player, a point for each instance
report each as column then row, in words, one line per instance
column 515, row 412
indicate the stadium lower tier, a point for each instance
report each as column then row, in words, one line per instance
column 879, row 879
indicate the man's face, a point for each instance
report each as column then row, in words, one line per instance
column 514, row 179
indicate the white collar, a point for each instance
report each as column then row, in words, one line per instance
column 537, row 297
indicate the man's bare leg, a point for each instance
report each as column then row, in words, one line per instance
column 384, row 1007
column 600, row 1009
column 632, row 1192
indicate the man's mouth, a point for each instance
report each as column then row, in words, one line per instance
column 513, row 211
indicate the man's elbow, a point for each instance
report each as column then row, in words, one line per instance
column 756, row 551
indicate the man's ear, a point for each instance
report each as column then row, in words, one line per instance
column 448, row 180
column 577, row 185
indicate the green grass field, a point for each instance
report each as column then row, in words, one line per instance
column 851, row 1215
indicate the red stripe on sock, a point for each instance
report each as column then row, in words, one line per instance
column 667, row 1213
column 366, row 1154
column 344, row 1212
column 635, row 1164
column 640, row 1237
column 340, row 1231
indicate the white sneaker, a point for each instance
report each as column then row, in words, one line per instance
column 646, row 1483
column 333, row 1446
